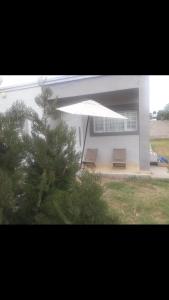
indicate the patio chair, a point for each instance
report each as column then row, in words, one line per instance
column 119, row 158
column 90, row 158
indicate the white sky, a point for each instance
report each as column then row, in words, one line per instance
column 158, row 88
column 158, row 92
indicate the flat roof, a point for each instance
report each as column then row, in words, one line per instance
column 49, row 81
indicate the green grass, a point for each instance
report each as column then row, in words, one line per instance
column 161, row 146
column 139, row 201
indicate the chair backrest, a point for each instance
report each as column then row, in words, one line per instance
column 91, row 155
column 119, row 155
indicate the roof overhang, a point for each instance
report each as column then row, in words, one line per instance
column 58, row 80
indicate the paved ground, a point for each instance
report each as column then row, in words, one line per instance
column 115, row 173
column 159, row 172
column 155, row 172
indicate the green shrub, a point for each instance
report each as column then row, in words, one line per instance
column 7, row 198
column 81, row 204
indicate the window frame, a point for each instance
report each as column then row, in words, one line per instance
column 126, row 129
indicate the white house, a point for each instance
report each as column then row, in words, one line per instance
column 127, row 95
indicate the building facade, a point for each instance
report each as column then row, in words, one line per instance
column 127, row 95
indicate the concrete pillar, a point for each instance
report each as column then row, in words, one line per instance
column 144, row 123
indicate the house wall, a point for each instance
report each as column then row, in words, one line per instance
column 115, row 83
column 105, row 143
column 105, row 146
column 137, row 145
column 99, row 84
column 144, row 136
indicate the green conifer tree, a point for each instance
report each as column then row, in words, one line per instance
column 38, row 171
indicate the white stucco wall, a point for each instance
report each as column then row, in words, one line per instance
column 106, row 144
column 144, row 122
column 95, row 85
column 137, row 146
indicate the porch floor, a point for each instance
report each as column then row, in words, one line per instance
column 121, row 173
column 154, row 172
column 159, row 172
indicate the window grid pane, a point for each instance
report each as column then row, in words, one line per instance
column 132, row 121
column 102, row 125
column 99, row 124
column 114, row 125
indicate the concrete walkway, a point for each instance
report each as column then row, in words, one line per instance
column 119, row 174
column 159, row 172
column 155, row 172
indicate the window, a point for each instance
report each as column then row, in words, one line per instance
column 102, row 125
column 131, row 122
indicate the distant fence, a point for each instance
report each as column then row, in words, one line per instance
column 159, row 129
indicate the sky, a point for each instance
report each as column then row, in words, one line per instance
column 158, row 92
column 158, row 87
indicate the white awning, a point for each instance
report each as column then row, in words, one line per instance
column 91, row 108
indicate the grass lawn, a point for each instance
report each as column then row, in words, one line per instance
column 161, row 146
column 138, row 201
